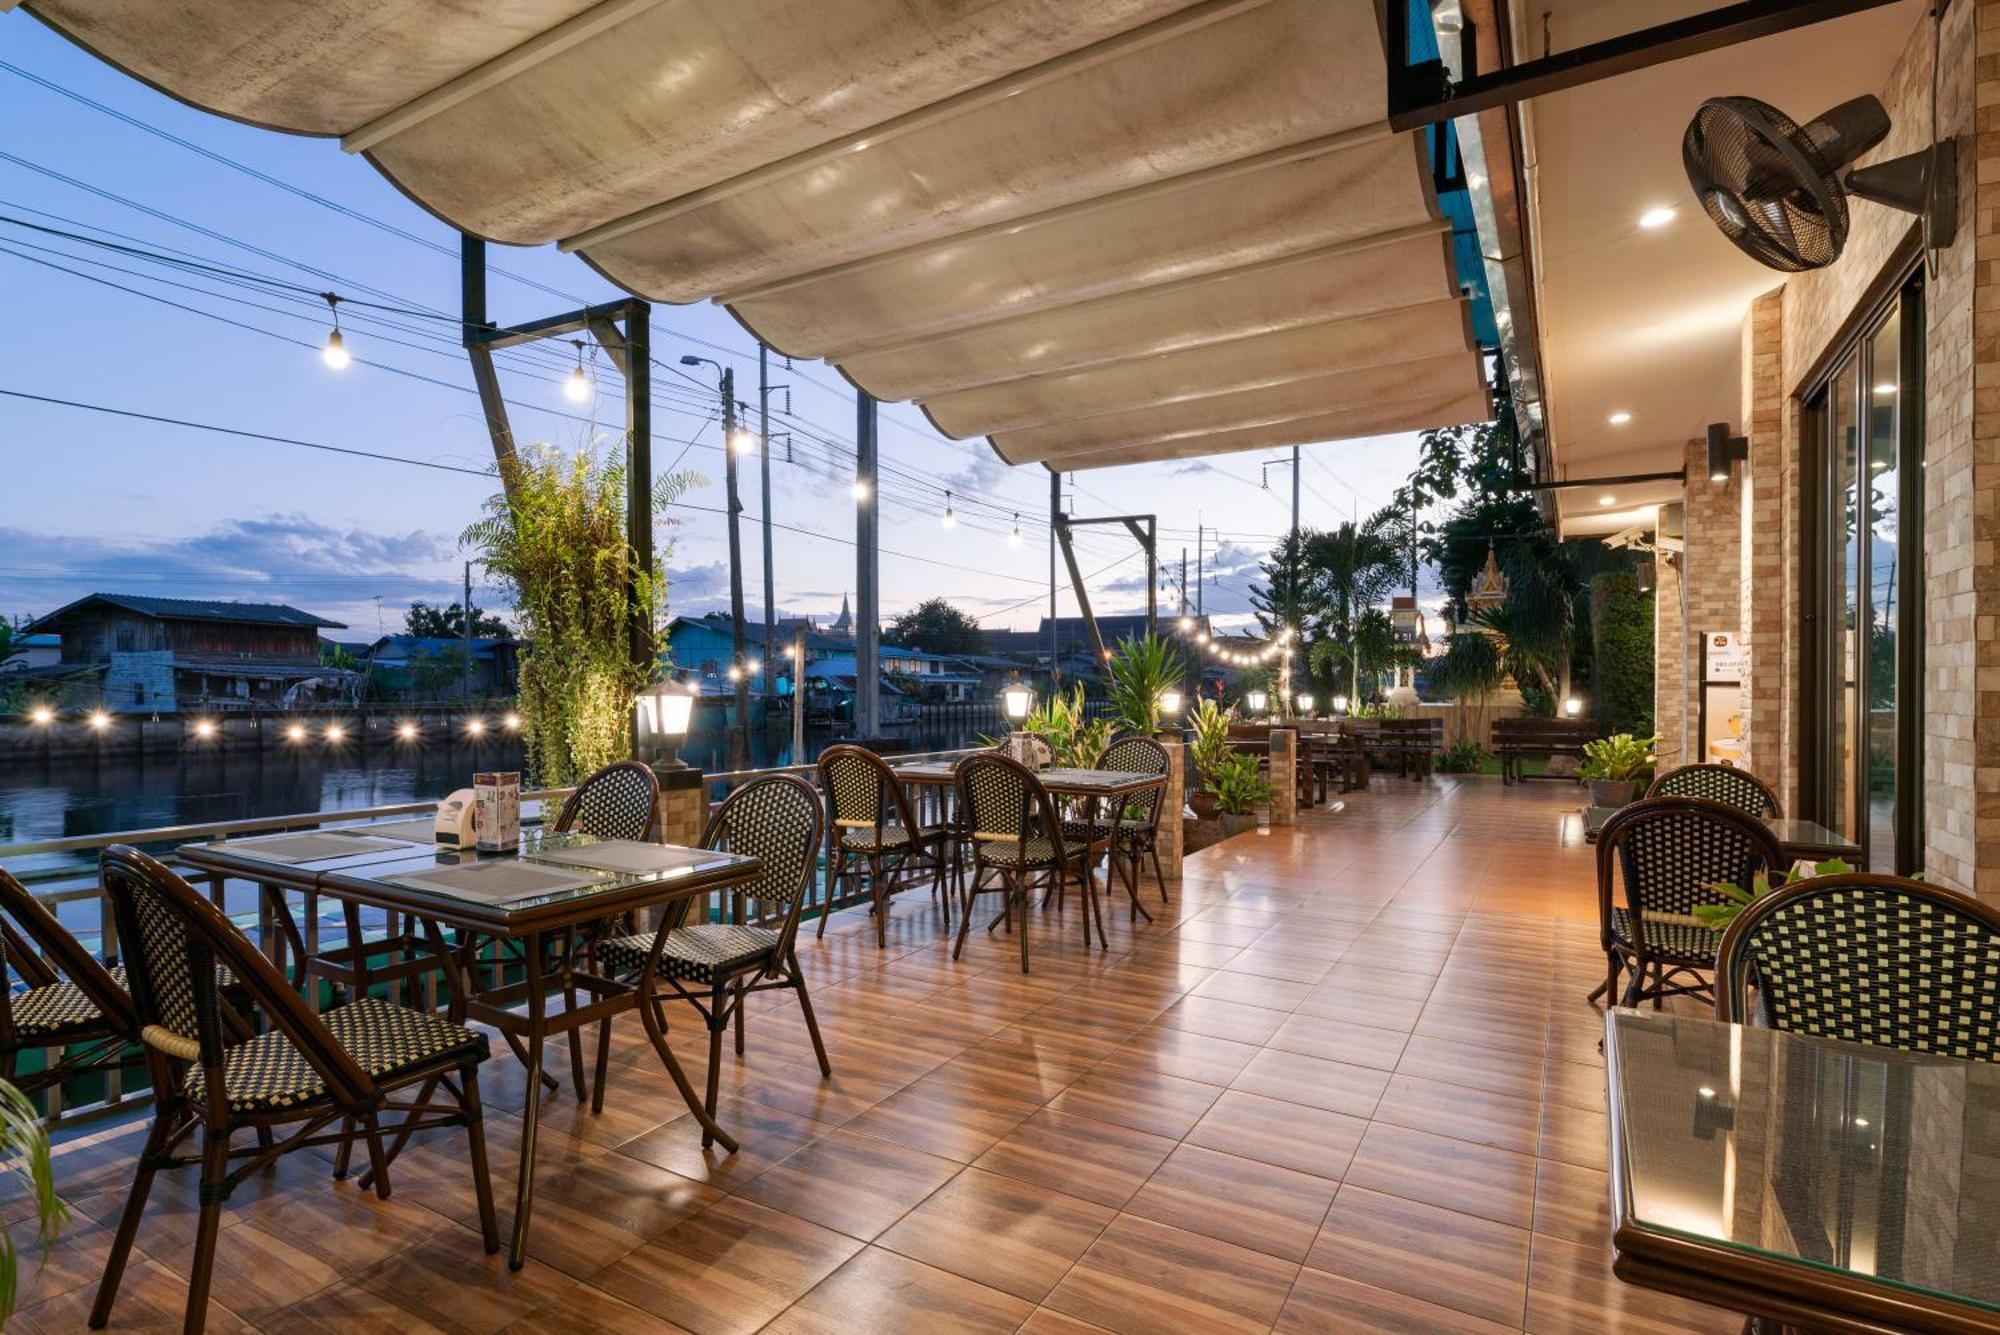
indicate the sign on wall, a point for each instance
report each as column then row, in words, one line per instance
column 1725, row 663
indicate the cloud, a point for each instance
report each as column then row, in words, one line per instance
column 334, row 571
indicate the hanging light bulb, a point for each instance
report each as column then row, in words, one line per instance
column 860, row 490
column 949, row 517
column 577, row 387
column 335, row 353
column 741, row 441
column 1014, row 538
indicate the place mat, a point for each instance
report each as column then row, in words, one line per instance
column 499, row 882
column 416, row 830
column 309, row 846
column 625, row 855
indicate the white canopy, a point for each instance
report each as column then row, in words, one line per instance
column 1099, row 233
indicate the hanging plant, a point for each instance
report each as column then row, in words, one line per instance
column 556, row 541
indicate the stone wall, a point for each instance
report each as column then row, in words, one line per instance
column 1764, row 524
column 1705, row 593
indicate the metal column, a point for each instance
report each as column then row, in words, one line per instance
column 739, row 734
column 764, row 465
column 868, row 571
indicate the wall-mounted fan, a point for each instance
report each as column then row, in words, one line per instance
column 1777, row 189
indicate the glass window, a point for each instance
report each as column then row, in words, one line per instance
column 1883, row 399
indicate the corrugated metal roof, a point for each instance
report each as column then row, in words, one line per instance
column 198, row 609
column 1096, row 233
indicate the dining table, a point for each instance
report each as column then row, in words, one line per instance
column 1797, row 839
column 1810, row 1184
column 517, row 909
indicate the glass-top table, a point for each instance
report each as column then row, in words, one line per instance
column 1829, row 1185
column 1796, row 838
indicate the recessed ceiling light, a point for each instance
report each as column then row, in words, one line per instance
column 1885, row 389
column 1619, row 418
column 1607, row 499
column 1659, row 217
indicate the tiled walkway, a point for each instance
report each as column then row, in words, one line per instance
column 1347, row 1083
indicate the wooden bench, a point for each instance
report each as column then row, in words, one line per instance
column 1518, row 739
column 1413, row 743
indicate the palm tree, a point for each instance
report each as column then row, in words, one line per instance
column 1356, row 566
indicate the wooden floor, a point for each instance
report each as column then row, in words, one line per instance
column 1347, row 1082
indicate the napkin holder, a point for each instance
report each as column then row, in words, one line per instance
column 457, row 823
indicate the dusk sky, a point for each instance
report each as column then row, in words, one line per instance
column 96, row 501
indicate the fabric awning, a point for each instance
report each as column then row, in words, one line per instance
column 1103, row 233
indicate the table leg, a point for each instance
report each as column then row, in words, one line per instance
column 531, row 1113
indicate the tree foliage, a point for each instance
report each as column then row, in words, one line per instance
column 448, row 622
column 934, row 626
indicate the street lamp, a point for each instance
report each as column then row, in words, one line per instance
column 663, row 711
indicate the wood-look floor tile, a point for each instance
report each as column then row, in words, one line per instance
column 1439, row 1256
column 881, row 1291
column 151, row 1298
column 1288, row 1135
column 1573, row 1203
column 1273, row 964
column 449, row 1281
column 953, row 1121
column 1351, row 1004
column 1140, row 1276
column 584, row 1310
column 1571, row 1291
column 1048, row 1321
column 1242, row 1201
column 766, row 1135
column 1575, row 1136
column 1099, row 1161
column 1163, row 1105
column 1331, row 1086
column 1183, row 1053
column 999, row 1231
column 853, row 1183
column 1577, row 1084
column 1497, row 1070
column 1249, row 989
column 1354, row 1044
column 1324, row 1304
column 1492, row 1183
column 1462, row 1113
column 1224, row 1019
column 727, row 1270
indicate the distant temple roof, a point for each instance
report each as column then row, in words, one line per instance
column 195, row 609
column 844, row 623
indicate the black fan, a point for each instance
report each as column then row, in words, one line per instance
column 1774, row 186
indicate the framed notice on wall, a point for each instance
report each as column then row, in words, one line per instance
column 1725, row 661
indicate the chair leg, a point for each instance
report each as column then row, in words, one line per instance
column 346, row 1151
column 1016, row 887
column 875, row 892
column 964, row 917
column 1158, row 874
column 716, row 1023
column 738, row 988
column 835, row 869
column 214, row 1186
column 475, row 1140
column 157, row 1140
column 812, row 1021
column 378, row 1161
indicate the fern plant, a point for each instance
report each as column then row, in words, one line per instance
column 1075, row 740
column 1210, row 724
column 556, row 541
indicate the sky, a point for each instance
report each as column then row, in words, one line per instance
column 95, row 500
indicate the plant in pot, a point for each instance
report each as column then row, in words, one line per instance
column 1613, row 767
column 1142, row 671
column 1074, row 740
column 1209, row 722
column 1238, row 792
column 556, row 540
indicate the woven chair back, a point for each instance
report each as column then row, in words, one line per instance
column 620, row 801
column 1671, row 851
column 862, row 791
column 1137, row 755
column 1002, row 802
column 34, row 941
column 778, row 820
column 1868, row 959
column 1719, row 783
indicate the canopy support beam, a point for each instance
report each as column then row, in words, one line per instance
column 624, row 329
column 1145, row 529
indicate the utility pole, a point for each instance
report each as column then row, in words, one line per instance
column 1184, row 601
column 1295, row 494
column 739, row 735
column 798, row 696
column 764, row 465
column 868, row 569
column 1055, row 517
column 1200, row 581
column 465, row 641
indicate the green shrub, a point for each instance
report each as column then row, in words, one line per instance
column 1621, row 664
column 1237, row 786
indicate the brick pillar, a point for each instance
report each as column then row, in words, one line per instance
column 1284, row 777
column 1763, row 540
column 683, row 807
column 1710, row 583
column 1169, row 842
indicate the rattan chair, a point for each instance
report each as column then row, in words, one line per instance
column 620, row 801
column 1719, row 783
column 1133, row 831
column 1868, row 959
column 71, row 1006
column 874, row 826
column 715, row 966
column 1018, row 840
column 315, row 1071
column 1670, row 851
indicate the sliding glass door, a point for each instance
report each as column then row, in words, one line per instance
column 1863, row 497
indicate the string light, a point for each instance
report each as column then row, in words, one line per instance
column 41, row 716
column 949, row 517
column 741, row 441
column 1014, row 538
column 335, row 353
column 406, row 732
column 99, row 720
column 511, row 721
column 204, row 729
column 577, row 387
column 860, row 491
column 475, row 727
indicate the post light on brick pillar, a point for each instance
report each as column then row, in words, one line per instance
column 1171, row 703
column 1284, row 777
column 1572, row 707
column 1017, row 701
column 1256, row 702
column 662, row 713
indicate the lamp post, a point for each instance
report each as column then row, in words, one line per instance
column 1258, row 702
column 662, row 713
column 734, row 441
column 1305, row 704
column 1017, row 701
column 1340, row 704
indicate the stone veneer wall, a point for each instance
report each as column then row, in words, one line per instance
column 1785, row 334
column 1711, row 573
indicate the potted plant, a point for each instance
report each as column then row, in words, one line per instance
column 556, row 540
column 1717, row 917
column 1144, row 669
column 1210, row 723
column 1238, row 791
column 1614, row 765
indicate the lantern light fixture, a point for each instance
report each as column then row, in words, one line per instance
column 662, row 713
column 1258, row 701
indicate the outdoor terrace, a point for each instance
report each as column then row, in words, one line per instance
column 1347, row 1081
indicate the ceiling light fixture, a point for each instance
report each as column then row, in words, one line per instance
column 1607, row 499
column 1619, row 418
column 1659, row 217
column 1886, row 388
